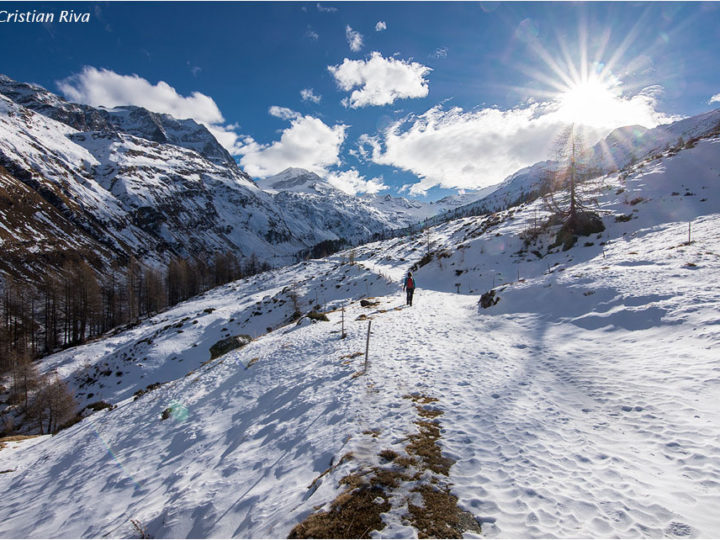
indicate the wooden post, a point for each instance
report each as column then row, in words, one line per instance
column 342, row 332
column 367, row 347
column 689, row 230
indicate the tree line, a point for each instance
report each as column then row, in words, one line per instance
column 74, row 304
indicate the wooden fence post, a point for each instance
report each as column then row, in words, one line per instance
column 367, row 347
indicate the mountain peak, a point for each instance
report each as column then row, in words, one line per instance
column 296, row 180
column 137, row 121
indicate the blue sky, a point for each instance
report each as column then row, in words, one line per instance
column 417, row 98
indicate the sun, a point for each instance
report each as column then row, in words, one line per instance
column 592, row 102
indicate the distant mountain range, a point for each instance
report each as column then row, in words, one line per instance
column 105, row 185
column 108, row 184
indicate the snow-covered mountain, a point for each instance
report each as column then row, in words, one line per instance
column 400, row 211
column 129, row 182
column 296, row 180
column 582, row 402
column 620, row 149
column 137, row 121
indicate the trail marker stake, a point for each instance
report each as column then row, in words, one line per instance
column 343, row 335
column 367, row 346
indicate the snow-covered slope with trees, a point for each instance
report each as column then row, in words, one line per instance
column 620, row 149
column 583, row 403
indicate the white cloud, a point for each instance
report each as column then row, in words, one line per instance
column 440, row 52
column 352, row 182
column 325, row 9
column 381, row 80
column 380, row 26
column 307, row 94
column 474, row 149
column 312, row 35
column 283, row 112
column 308, row 144
column 354, row 39
column 103, row 87
column 715, row 98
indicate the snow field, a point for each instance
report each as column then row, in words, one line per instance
column 583, row 404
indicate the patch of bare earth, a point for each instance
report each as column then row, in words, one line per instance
column 357, row 511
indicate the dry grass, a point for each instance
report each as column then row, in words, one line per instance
column 351, row 355
column 440, row 516
column 388, row 455
column 420, row 398
column 346, row 457
column 355, row 513
column 424, row 445
column 14, row 438
column 252, row 361
column 427, row 412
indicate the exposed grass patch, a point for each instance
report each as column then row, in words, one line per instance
column 424, row 445
column 351, row 355
column 440, row 516
column 148, row 388
column 419, row 398
column 14, row 438
column 355, row 513
column 252, row 361
column 317, row 316
column 346, row 457
column 388, row 454
column 426, row 412
column 100, row 405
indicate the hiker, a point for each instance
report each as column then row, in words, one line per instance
column 409, row 287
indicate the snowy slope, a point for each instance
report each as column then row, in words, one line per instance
column 137, row 121
column 153, row 187
column 619, row 150
column 583, row 404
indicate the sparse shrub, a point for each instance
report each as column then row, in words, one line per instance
column 422, row 262
column 148, row 388
column 100, row 405
column 317, row 316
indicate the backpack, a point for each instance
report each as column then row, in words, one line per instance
column 410, row 283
